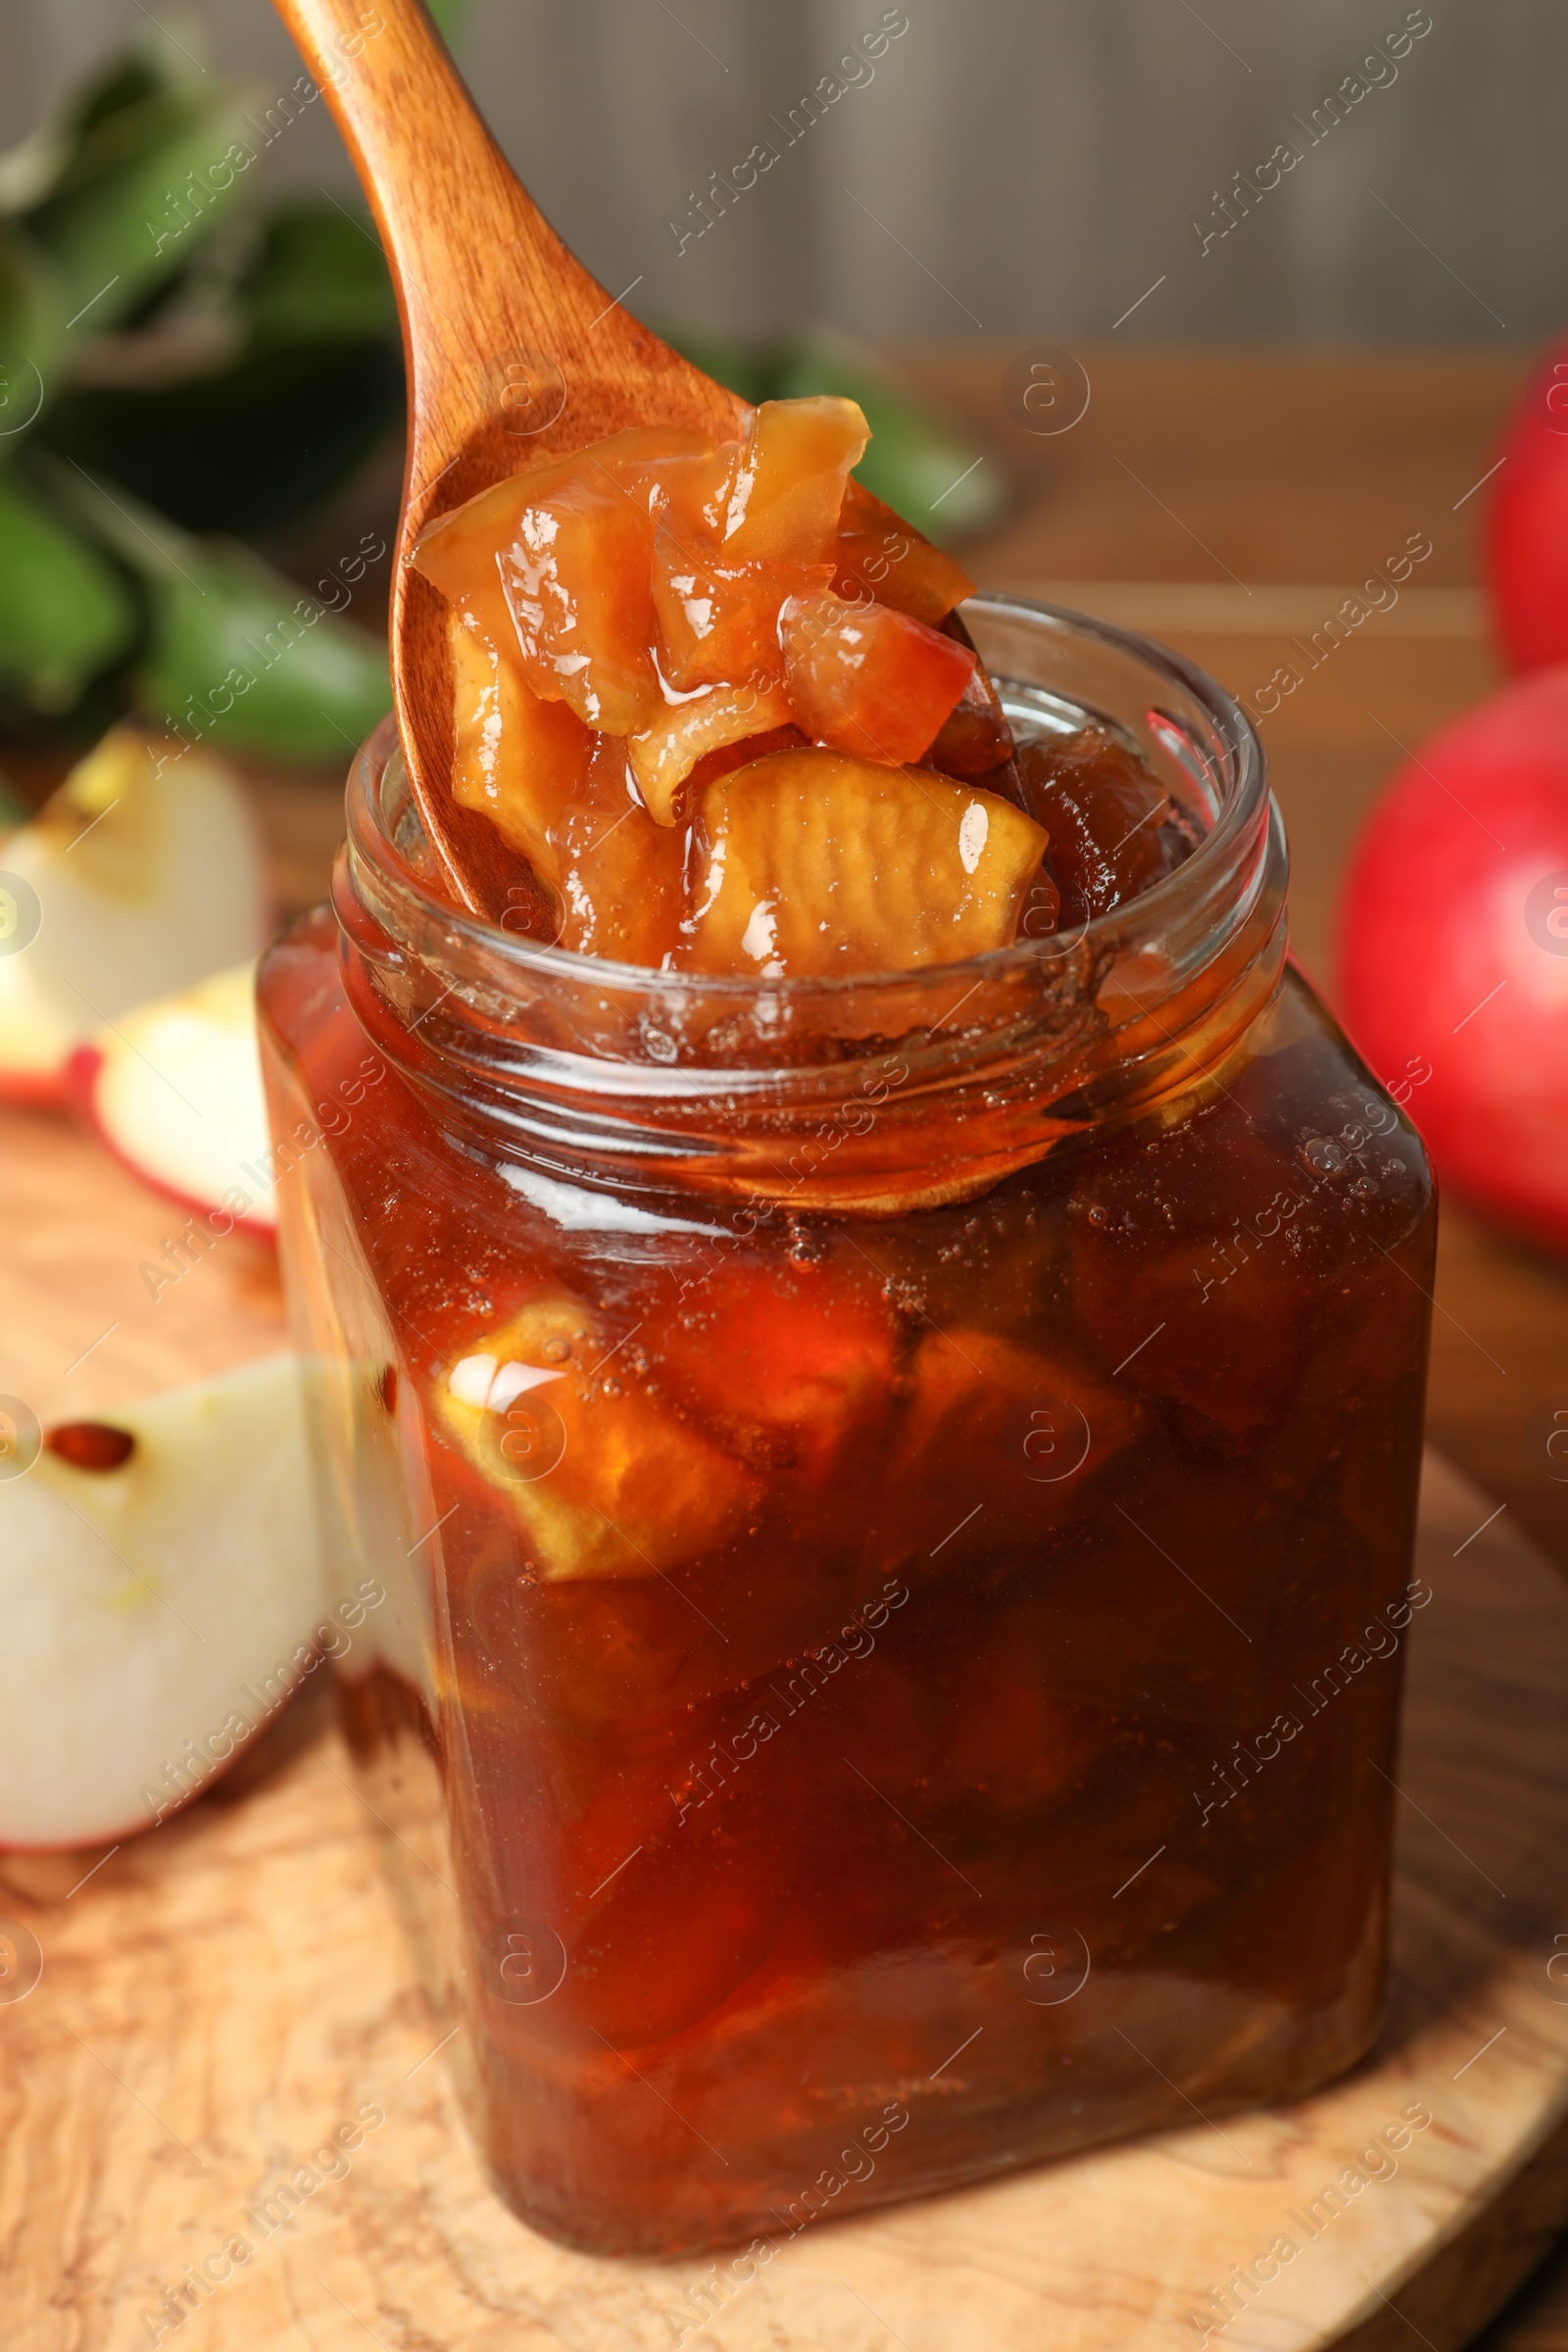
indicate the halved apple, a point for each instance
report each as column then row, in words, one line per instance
column 175, row 1091
column 142, row 873
column 161, row 1590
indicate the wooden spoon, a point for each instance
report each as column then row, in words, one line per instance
column 514, row 353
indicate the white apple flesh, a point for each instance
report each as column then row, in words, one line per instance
column 142, row 873
column 175, row 1091
column 157, row 1610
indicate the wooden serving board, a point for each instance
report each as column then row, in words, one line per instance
column 217, row 1998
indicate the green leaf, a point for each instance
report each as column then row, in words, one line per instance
column 235, row 650
column 33, row 322
column 65, row 610
column 141, row 190
column 318, row 276
column 244, row 450
column 157, row 59
column 745, row 369
column 240, row 654
column 123, row 81
column 15, row 807
column 30, row 170
column 925, row 467
column 250, row 443
column 451, row 18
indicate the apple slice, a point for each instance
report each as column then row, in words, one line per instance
column 664, row 754
column 161, row 1590
column 866, row 679
column 603, row 1475
column 878, row 554
column 175, row 1091
column 787, row 492
column 515, row 759
column 139, row 875
column 817, row 862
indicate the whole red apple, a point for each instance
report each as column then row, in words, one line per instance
column 1527, row 522
column 1453, row 951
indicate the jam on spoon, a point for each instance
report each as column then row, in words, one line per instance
column 720, row 699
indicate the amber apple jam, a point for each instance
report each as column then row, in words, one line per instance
column 895, row 1494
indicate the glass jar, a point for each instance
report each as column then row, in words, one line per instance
column 894, row 1498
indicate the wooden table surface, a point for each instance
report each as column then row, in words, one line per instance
column 1225, row 502
column 215, row 2000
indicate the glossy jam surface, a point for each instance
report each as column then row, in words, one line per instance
column 892, row 1697
column 717, row 697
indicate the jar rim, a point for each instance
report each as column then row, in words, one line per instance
column 1244, row 807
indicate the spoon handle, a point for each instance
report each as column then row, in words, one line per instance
column 480, row 270
column 514, row 353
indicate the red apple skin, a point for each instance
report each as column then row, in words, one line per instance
column 79, row 1091
column 1527, row 524
column 33, row 1090
column 1453, row 951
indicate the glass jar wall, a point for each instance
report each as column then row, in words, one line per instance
column 895, row 1497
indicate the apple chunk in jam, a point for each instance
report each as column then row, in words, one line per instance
column 816, row 861
column 718, row 697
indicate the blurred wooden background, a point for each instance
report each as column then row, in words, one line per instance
column 1020, row 169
